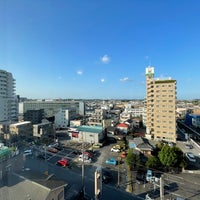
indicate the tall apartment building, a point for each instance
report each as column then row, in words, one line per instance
column 160, row 107
column 8, row 98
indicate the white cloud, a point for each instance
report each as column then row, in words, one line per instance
column 125, row 79
column 102, row 80
column 105, row 59
column 79, row 72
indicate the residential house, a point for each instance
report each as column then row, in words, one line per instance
column 122, row 128
column 141, row 144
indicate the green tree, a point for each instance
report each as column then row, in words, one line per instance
column 152, row 162
column 132, row 160
column 129, row 158
column 170, row 156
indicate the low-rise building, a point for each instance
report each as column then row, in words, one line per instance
column 141, row 144
column 90, row 134
column 43, row 129
column 122, row 128
column 21, row 129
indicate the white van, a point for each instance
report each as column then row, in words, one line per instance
column 28, row 152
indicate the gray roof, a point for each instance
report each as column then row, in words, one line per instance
column 18, row 186
column 142, row 143
column 50, row 182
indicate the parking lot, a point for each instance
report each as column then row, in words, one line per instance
column 71, row 151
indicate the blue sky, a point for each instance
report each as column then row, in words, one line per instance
column 99, row 49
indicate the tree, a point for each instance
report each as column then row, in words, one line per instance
column 129, row 158
column 152, row 162
column 132, row 160
column 170, row 156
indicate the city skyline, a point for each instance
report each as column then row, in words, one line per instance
column 99, row 49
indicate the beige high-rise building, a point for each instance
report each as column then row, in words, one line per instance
column 160, row 107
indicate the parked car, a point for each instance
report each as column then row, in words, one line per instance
column 117, row 146
column 111, row 161
column 114, row 149
column 190, row 156
column 86, row 159
column 96, row 146
column 149, row 175
column 28, row 152
column 63, row 162
column 123, row 154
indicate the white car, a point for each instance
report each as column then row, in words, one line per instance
column 89, row 160
column 190, row 156
column 115, row 150
column 28, row 152
column 86, row 159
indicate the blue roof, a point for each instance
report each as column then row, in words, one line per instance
column 90, row 129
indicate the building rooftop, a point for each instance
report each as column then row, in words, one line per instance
column 91, row 129
column 122, row 125
column 21, row 123
column 28, row 185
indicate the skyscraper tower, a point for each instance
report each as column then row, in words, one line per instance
column 160, row 107
column 8, row 98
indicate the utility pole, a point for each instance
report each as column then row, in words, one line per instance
column 45, row 151
column 161, row 187
column 118, row 177
column 97, row 183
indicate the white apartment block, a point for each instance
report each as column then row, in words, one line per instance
column 51, row 107
column 129, row 113
column 63, row 117
column 8, row 98
column 161, row 107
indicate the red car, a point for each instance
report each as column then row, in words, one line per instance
column 123, row 154
column 63, row 162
